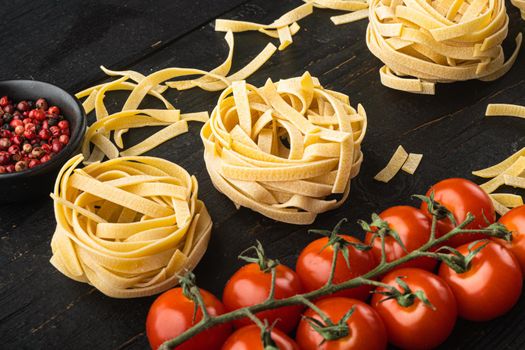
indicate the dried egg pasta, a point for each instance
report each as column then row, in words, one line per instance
column 128, row 226
column 283, row 148
column 393, row 166
column 424, row 42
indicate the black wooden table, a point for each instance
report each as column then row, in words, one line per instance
column 64, row 42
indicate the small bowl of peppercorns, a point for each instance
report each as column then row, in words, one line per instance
column 41, row 127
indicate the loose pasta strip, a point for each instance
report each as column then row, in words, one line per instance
column 395, row 164
column 128, row 226
column 412, row 163
column 283, row 148
column 422, row 42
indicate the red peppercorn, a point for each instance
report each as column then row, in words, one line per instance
column 63, row 124
column 55, row 131
column 30, row 127
column 44, row 134
column 33, row 163
column 65, row 132
column 64, row 139
column 10, row 168
column 9, row 109
column 38, row 152
column 38, row 114
column 17, row 139
column 54, row 110
column 29, row 134
column 28, row 120
column 45, row 158
column 16, row 122
column 15, row 157
column 19, row 130
column 22, row 106
column 6, row 133
column 13, row 149
column 46, row 147
column 4, row 101
column 45, row 124
column 4, row 143
column 27, row 148
column 4, row 158
column 21, row 165
column 2, row 169
column 56, row 146
column 41, row 103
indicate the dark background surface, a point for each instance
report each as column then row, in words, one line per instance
column 64, row 42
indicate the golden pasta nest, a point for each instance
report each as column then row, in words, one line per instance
column 438, row 41
column 282, row 149
column 128, row 226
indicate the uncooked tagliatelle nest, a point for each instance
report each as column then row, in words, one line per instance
column 424, row 42
column 128, row 226
column 282, row 149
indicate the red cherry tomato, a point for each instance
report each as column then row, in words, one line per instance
column 315, row 262
column 367, row 330
column 413, row 228
column 249, row 338
column 462, row 196
column 171, row 314
column 490, row 287
column 417, row 326
column 249, row 286
column 514, row 221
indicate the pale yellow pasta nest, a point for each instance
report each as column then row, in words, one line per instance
column 438, row 41
column 128, row 226
column 249, row 162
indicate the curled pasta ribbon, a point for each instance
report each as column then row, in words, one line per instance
column 358, row 9
column 283, row 28
column 282, row 149
column 128, row 226
column 424, row 42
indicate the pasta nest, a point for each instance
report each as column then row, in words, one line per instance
column 282, row 149
column 128, row 226
column 438, row 41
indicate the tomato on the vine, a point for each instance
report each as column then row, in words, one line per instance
column 460, row 197
column 413, row 228
column 514, row 221
column 249, row 338
column 171, row 314
column 411, row 322
column 315, row 262
column 250, row 285
column 490, row 287
column 366, row 329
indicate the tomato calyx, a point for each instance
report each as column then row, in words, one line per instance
column 405, row 298
column 192, row 292
column 265, row 264
column 380, row 228
column 338, row 243
column 435, row 208
column 329, row 330
column 498, row 230
column 458, row 262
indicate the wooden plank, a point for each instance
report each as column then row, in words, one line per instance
column 40, row 308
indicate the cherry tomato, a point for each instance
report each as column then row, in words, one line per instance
column 514, row 221
column 315, row 262
column 171, row 314
column 249, row 338
column 490, row 287
column 367, row 330
column 249, row 286
column 462, row 196
column 413, row 228
column 417, row 326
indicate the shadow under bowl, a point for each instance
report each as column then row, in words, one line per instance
column 39, row 181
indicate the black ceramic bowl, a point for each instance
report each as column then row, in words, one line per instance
column 39, row 181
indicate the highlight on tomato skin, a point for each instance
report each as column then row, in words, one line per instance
column 514, row 221
column 460, row 197
column 249, row 338
column 171, row 314
column 417, row 326
column 366, row 329
column 250, row 286
column 413, row 228
column 490, row 287
column 315, row 262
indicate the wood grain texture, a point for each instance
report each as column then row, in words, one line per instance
column 65, row 42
